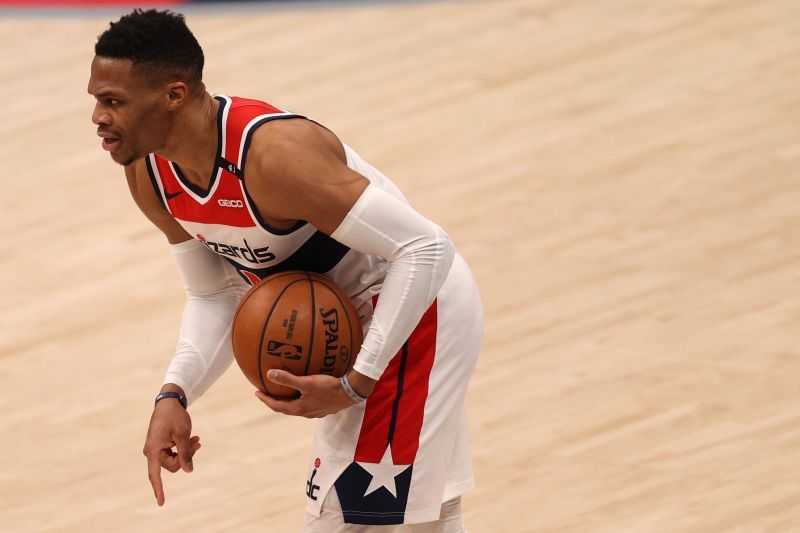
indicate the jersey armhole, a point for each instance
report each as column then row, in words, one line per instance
column 245, row 146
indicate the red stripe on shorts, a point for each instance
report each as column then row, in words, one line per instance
column 409, row 379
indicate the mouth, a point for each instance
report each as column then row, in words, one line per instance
column 110, row 143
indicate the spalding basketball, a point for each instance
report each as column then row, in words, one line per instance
column 296, row 321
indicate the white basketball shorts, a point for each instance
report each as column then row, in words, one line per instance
column 397, row 457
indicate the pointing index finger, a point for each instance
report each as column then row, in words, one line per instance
column 154, row 473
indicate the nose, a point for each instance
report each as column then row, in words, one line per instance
column 100, row 116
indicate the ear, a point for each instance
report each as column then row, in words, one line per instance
column 176, row 95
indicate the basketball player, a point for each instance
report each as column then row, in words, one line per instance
column 241, row 190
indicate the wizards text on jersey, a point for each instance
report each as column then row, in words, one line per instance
column 255, row 256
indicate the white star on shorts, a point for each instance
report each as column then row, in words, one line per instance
column 383, row 473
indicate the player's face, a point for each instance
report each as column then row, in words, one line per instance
column 131, row 116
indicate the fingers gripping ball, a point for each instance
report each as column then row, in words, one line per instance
column 296, row 321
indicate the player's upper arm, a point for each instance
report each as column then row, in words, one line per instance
column 296, row 171
column 145, row 197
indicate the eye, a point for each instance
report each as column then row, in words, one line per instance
column 111, row 102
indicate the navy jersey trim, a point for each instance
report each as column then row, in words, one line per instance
column 401, row 373
column 199, row 191
column 320, row 254
column 262, row 222
column 154, row 182
column 249, row 136
column 245, row 149
column 379, row 507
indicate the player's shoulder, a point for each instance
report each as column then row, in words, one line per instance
column 239, row 112
column 287, row 144
column 294, row 129
column 295, row 135
column 237, row 102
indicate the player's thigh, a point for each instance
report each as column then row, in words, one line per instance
column 449, row 521
column 332, row 521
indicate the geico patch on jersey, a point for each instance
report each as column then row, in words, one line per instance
column 230, row 203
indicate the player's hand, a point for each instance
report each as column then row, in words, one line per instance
column 170, row 427
column 320, row 395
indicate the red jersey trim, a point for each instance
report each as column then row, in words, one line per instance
column 225, row 201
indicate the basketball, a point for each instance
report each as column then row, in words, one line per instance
column 296, row 321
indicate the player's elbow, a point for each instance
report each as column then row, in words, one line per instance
column 446, row 250
column 432, row 251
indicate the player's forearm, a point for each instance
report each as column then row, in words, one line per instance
column 204, row 348
column 420, row 255
column 410, row 287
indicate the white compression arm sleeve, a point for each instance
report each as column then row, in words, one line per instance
column 420, row 254
column 204, row 348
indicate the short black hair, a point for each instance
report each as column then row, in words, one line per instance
column 158, row 43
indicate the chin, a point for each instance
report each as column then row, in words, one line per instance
column 124, row 160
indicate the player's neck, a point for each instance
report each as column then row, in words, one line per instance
column 194, row 141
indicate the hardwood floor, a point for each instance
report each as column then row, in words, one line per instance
column 622, row 177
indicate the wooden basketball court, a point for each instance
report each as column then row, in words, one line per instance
column 623, row 177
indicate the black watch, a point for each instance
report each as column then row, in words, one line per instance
column 170, row 394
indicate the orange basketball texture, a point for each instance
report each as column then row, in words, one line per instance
column 296, row 321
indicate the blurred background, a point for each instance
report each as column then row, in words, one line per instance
column 621, row 176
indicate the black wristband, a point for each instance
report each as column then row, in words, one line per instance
column 170, row 394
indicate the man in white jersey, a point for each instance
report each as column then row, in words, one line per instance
column 241, row 190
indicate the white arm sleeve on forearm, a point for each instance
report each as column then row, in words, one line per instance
column 420, row 255
column 204, row 348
